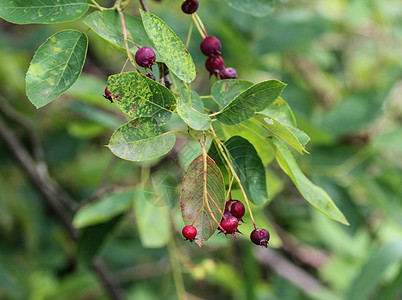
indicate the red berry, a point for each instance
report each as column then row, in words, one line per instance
column 226, row 214
column 189, row 232
column 260, row 237
column 214, row 64
column 211, row 46
column 145, row 57
column 228, row 73
column 237, row 209
column 189, row 6
column 230, row 225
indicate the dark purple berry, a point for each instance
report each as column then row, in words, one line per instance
column 260, row 237
column 230, row 225
column 214, row 64
column 236, row 208
column 228, row 73
column 226, row 214
column 189, row 232
column 150, row 75
column 189, row 6
column 108, row 95
column 211, row 46
column 145, row 57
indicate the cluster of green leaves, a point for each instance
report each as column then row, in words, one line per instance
column 254, row 109
column 355, row 146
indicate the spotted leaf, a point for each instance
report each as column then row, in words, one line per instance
column 56, row 66
column 139, row 96
column 141, row 139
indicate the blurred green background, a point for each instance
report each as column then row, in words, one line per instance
column 342, row 63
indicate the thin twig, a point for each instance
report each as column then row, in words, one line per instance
column 204, row 158
column 12, row 114
column 288, row 270
column 129, row 55
column 144, row 6
column 54, row 197
column 220, row 146
column 108, row 281
column 189, row 34
column 164, row 75
column 41, row 181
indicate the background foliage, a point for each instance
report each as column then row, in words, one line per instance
column 341, row 61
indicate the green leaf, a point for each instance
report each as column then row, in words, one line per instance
column 224, row 91
column 141, row 139
column 107, row 24
column 255, row 134
column 42, row 11
column 284, row 132
column 152, row 219
column 55, row 67
column 315, row 195
column 190, row 110
column 169, row 47
column 93, row 238
column 372, row 272
column 103, row 210
column 138, row 96
column 254, row 99
column 256, row 8
column 280, row 111
column 192, row 197
column 248, row 166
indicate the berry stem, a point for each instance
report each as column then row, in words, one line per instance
column 133, row 43
column 144, row 5
column 189, row 34
column 124, row 4
column 196, row 217
column 213, row 201
column 230, row 190
column 123, row 25
column 124, row 66
column 220, row 145
column 204, row 158
column 189, row 92
column 201, row 24
column 97, row 5
column 198, row 27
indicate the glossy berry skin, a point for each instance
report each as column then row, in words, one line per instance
column 236, row 208
column 150, row 75
column 230, row 225
column 214, row 64
column 228, row 73
column 260, row 237
column 189, row 232
column 145, row 57
column 211, row 46
column 189, row 6
column 226, row 214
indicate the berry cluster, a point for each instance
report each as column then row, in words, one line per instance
column 211, row 47
column 232, row 215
